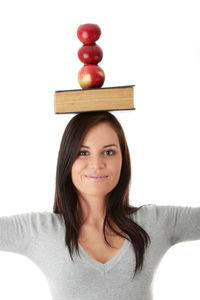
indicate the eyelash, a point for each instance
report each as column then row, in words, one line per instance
column 104, row 151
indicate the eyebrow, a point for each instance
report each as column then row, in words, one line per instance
column 106, row 146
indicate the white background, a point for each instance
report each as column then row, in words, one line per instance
column 152, row 44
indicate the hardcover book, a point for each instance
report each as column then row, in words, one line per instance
column 94, row 99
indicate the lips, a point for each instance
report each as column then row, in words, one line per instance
column 96, row 176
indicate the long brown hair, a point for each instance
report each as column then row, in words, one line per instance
column 118, row 208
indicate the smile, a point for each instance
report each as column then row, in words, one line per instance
column 95, row 179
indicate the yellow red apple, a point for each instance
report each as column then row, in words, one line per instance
column 91, row 76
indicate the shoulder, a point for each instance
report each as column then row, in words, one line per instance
column 152, row 215
column 45, row 219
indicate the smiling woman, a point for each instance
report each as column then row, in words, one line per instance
column 92, row 188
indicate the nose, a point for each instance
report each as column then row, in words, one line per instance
column 97, row 161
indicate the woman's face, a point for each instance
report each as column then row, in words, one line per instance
column 96, row 159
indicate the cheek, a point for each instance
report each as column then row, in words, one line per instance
column 116, row 166
column 77, row 169
column 74, row 170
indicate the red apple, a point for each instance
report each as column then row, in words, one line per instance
column 91, row 76
column 90, row 54
column 88, row 33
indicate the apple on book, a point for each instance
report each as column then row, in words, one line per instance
column 90, row 75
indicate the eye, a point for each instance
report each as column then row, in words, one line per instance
column 80, row 153
column 112, row 151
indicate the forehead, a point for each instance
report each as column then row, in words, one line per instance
column 101, row 133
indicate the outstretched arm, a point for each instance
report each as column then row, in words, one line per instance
column 181, row 223
column 16, row 233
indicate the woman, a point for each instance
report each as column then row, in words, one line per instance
column 92, row 216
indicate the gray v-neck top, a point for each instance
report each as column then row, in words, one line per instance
column 41, row 237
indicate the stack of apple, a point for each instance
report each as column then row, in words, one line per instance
column 90, row 75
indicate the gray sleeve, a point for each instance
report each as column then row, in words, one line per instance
column 17, row 233
column 181, row 223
